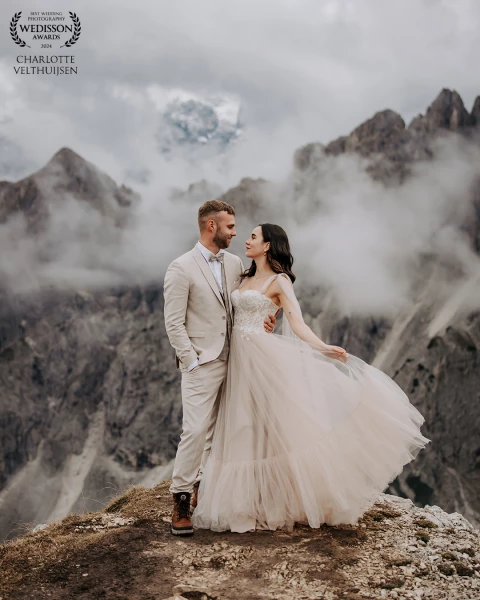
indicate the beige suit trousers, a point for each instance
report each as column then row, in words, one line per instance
column 201, row 392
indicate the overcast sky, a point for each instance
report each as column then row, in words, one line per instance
column 304, row 70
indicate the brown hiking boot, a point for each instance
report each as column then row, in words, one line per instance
column 181, row 523
column 194, row 501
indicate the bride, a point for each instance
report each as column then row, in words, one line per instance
column 305, row 432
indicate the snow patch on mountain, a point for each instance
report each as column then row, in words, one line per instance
column 196, row 127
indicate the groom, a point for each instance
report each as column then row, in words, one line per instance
column 199, row 320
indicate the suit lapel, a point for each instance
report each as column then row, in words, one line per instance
column 228, row 272
column 202, row 263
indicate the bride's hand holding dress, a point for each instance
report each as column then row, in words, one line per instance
column 335, row 352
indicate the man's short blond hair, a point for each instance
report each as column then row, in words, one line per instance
column 209, row 210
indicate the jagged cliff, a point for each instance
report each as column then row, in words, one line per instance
column 127, row 551
column 90, row 398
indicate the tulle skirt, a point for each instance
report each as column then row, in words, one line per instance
column 301, row 437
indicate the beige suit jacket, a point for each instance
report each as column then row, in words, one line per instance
column 195, row 315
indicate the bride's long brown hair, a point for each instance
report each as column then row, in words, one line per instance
column 278, row 255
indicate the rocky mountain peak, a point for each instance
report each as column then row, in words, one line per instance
column 383, row 123
column 389, row 144
column 446, row 112
column 67, row 175
column 70, row 168
column 78, row 175
column 383, row 133
column 67, row 158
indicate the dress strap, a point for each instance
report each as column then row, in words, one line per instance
column 269, row 281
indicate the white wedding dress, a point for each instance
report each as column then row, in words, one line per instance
column 300, row 437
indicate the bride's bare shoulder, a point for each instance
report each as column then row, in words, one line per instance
column 281, row 278
column 279, row 282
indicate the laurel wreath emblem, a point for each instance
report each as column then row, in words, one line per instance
column 76, row 32
column 13, row 30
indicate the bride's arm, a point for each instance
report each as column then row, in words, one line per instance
column 291, row 310
column 283, row 289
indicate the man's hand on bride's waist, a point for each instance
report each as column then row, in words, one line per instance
column 270, row 322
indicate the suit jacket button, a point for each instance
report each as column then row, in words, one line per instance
column 222, row 334
column 224, row 318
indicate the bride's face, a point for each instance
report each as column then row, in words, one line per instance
column 255, row 246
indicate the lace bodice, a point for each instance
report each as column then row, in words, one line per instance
column 251, row 309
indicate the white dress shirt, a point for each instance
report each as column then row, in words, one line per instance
column 216, row 268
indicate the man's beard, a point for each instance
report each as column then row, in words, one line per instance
column 221, row 240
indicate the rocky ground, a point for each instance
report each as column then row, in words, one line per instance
column 126, row 552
